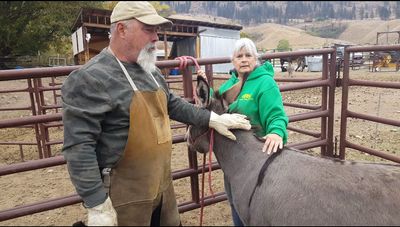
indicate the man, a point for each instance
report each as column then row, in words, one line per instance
column 116, row 111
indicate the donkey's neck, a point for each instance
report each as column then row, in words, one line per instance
column 236, row 156
column 242, row 162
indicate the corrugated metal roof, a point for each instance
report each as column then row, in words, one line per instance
column 194, row 20
column 85, row 14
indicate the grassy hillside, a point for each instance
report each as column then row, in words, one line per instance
column 300, row 36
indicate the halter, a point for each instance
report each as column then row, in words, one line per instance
column 193, row 142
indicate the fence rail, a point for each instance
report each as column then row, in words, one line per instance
column 346, row 113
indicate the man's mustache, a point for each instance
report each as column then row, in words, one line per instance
column 150, row 47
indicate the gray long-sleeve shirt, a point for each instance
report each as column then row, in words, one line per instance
column 96, row 100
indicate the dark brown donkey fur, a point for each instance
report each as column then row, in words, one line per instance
column 291, row 187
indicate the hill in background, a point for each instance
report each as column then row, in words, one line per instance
column 250, row 13
column 267, row 36
column 364, row 32
column 300, row 35
column 356, row 32
column 305, row 24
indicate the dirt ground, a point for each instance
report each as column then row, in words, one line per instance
column 44, row 184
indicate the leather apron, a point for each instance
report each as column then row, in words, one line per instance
column 142, row 181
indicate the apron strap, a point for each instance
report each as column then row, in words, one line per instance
column 127, row 74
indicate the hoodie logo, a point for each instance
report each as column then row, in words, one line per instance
column 246, row 97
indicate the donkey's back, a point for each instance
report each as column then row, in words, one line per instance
column 297, row 188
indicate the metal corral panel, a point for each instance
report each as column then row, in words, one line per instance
column 218, row 42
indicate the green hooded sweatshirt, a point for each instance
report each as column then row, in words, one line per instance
column 260, row 100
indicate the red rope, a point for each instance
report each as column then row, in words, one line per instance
column 202, row 190
column 209, row 175
column 183, row 60
column 209, row 160
column 183, row 64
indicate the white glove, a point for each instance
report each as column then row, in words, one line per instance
column 102, row 215
column 223, row 122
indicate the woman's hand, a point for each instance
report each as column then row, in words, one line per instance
column 272, row 142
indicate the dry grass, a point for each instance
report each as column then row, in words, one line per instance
column 358, row 32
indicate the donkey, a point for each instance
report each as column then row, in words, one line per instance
column 300, row 61
column 291, row 187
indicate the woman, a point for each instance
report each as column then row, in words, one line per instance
column 258, row 98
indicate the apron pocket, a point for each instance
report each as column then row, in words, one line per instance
column 163, row 129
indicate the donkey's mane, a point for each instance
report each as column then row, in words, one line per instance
column 263, row 169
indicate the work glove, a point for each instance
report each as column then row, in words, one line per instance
column 222, row 123
column 102, row 215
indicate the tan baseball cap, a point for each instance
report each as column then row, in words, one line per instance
column 140, row 10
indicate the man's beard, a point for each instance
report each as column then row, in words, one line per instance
column 147, row 58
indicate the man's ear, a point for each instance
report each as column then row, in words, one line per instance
column 203, row 91
column 121, row 29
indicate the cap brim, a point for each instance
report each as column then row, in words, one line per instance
column 155, row 20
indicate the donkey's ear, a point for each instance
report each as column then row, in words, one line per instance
column 203, row 92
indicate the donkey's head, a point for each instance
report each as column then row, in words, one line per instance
column 198, row 138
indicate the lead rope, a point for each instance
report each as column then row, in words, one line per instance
column 209, row 158
column 182, row 65
column 210, row 149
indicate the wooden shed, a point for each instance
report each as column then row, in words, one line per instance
column 90, row 33
column 189, row 36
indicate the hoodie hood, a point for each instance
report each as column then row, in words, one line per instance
column 265, row 69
